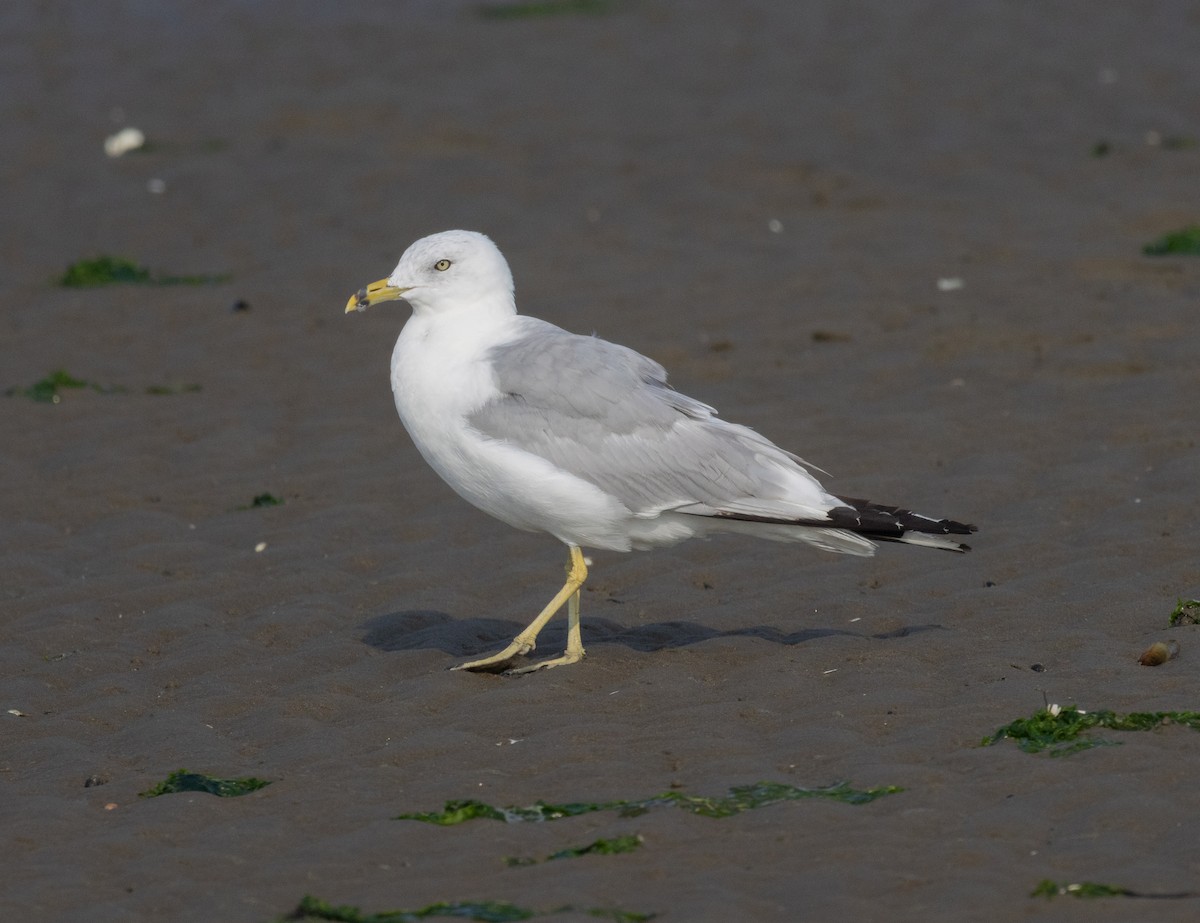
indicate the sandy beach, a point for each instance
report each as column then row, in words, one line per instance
column 904, row 241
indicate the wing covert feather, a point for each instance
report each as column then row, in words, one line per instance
column 606, row 414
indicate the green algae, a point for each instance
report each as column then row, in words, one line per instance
column 612, row 846
column 311, row 908
column 538, row 8
column 1090, row 889
column 1184, row 242
column 1058, row 730
column 490, row 911
column 261, row 501
column 47, row 390
column 173, row 389
column 1186, row 612
column 116, row 270
column 740, row 798
column 603, row 847
column 1051, row 889
column 183, row 781
column 104, row 270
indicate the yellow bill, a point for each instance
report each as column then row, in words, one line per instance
column 373, row 294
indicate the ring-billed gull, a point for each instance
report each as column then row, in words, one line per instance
column 550, row 431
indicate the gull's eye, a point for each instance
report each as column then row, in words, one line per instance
column 441, row 265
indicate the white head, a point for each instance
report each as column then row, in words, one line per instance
column 450, row 271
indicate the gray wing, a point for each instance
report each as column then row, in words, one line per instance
column 606, row 414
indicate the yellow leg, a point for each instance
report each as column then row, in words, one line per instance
column 574, row 652
column 525, row 642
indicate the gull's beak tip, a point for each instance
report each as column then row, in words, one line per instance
column 373, row 294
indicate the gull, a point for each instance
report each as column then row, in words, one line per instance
column 551, row 431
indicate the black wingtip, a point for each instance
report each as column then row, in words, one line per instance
column 877, row 520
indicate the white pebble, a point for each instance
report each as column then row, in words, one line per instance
column 124, row 141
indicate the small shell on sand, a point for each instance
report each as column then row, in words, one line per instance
column 1158, row 653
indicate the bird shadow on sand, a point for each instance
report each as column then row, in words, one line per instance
column 422, row 629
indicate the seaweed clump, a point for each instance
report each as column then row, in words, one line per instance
column 47, row 390
column 311, row 908
column 740, row 798
column 183, row 781
column 611, row 846
column 1059, row 730
column 1186, row 612
column 1090, row 889
column 533, row 9
column 262, row 501
column 116, row 270
column 1184, row 242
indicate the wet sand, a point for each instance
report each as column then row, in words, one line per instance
column 764, row 199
